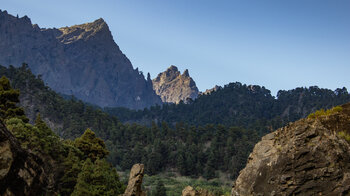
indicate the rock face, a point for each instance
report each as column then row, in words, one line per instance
column 82, row 60
column 21, row 172
column 173, row 87
column 190, row 191
column 135, row 181
column 308, row 157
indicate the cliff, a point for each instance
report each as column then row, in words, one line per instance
column 82, row 60
column 173, row 87
column 308, row 157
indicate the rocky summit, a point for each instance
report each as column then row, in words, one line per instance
column 173, row 87
column 81, row 60
column 308, row 157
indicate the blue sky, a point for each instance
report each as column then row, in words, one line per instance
column 273, row 43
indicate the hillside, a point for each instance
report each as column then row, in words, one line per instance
column 237, row 104
column 82, row 60
column 35, row 161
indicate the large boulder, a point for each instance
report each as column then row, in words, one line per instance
column 135, row 181
column 308, row 157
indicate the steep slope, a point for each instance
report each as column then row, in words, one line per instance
column 308, row 157
column 82, row 60
column 173, row 87
column 22, row 172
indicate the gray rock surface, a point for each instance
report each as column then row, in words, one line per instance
column 308, row 157
column 82, row 60
column 173, row 87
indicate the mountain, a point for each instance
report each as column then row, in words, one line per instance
column 173, row 87
column 308, row 157
column 81, row 60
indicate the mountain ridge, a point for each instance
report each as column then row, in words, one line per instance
column 81, row 60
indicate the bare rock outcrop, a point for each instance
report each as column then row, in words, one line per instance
column 190, row 191
column 308, row 157
column 21, row 172
column 81, row 60
column 135, row 181
column 173, row 87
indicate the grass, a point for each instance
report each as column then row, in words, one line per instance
column 174, row 183
column 323, row 112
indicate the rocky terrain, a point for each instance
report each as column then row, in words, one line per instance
column 173, row 87
column 22, row 172
column 82, row 60
column 308, row 157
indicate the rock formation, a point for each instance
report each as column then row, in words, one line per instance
column 190, row 191
column 308, row 157
column 21, row 172
column 135, row 181
column 82, row 60
column 173, row 87
column 209, row 91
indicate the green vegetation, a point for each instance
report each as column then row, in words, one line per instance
column 323, row 112
column 192, row 150
column 212, row 135
column 81, row 175
column 344, row 135
column 174, row 184
column 236, row 104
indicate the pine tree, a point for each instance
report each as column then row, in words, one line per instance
column 92, row 146
column 83, row 186
column 8, row 100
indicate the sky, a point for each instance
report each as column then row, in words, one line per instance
column 273, row 43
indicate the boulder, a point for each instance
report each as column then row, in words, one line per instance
column 308, row 157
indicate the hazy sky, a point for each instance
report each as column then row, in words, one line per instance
column 277, row 44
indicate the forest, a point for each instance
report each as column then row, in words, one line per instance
column 211, row 135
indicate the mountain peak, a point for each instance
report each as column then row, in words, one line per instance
column 185, row 73
column 173, row 87
column 172, row 68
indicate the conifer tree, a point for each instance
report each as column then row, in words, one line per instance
column 8, row 99
column 92, row 146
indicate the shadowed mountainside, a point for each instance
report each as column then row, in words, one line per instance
column 82, row 60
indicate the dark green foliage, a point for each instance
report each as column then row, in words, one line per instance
column 97, row 178
column 160, row 189
column 237, row 104
column 69, row 161
column 185, row 137
column 8, row 99
column 92, row 146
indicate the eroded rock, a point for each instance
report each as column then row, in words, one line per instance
column 173, row 87
column 135, row 181
column 308, row 157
